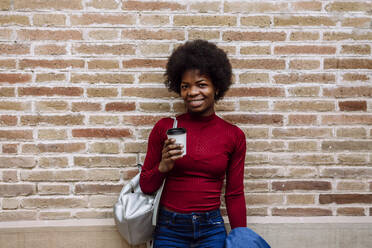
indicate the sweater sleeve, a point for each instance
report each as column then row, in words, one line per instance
column 235, row 200
column 151, row 178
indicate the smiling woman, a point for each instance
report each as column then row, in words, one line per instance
column 198, row 92
column 190, row 215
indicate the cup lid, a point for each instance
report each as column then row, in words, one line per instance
column 176, row 131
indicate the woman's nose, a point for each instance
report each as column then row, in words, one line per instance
column 193, row 91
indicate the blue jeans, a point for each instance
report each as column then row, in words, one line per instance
column 190, row 230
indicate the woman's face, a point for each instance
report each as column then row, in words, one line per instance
column 197, row 91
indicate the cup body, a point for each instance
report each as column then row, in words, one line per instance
column 179, row 134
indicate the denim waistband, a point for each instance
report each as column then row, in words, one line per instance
column 190, row 216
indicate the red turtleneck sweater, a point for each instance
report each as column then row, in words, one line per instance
column 215, row 148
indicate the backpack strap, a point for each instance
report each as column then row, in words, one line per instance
column 160, row 190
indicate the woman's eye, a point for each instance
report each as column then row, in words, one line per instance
column 202, row 85
column 183, row 86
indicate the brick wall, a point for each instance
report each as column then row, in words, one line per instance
column 81, row 87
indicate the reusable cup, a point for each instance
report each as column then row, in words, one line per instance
column 179, row 134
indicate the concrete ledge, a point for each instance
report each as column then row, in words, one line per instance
column 279, row 232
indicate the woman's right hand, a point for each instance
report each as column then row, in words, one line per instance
column 170, row 153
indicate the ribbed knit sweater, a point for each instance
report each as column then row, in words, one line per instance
column 215, row 148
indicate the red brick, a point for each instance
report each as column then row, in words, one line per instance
column 57, row 35
column 354, row 173
column 314, row 133
column 318, row 106
column 85, row 106
column 357, row 22
column 152, row 6
column 304, row 50
column 345, row 198
column 50, row 49
column 355, row 77
column 138, row 120
column 143, row 34
column 114, row 49
column 350, row 211
column 307, row 6
column 356, row 49
column 99, row 4
column 299, row 64
column 264, row 199
column 10, row 176
column 16, row 135
column 301, row 185
column 10, row 148
column 341, row 92
column 47, row 4
column 53, row 203
column 360, row 35
column 112, row 78
column 353, row 106
column 346, row 119
column 17, row 215
column 120, row 106
column 50, row 77
column 13, row 78
column 56, row 148
column 347, row 63
column 255, row 7
column 85, row 188
column 351, row 6
column 17, row 162
column 200, row 20
column 296, row 36
column 46, row 91
column 103, row 64
column 8, row 64
column 60, row 120
column 14, row 49
column 254, row 119
column 102, row 92
column 302, row 159
column 262, row 91
column 270, row 64
column 304, row 78
column 5, row 5
column 301, row 212
column 7, row 92
column 144, row 63
column 302, row 91
column 152, row 93
column 253, row 36
column 49, row 20
column 347, row 145
column 12, row 190
column 304, row 21
column 102, row 18
column 102, row 132
column 255, row 212
column 105, row 161
column 265, row 146
column 51, row 64
column 302, row 119
column 16, row 106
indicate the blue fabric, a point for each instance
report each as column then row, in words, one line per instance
column 190, row 230
column 244, row 237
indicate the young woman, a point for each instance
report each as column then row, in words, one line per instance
column 200, row 73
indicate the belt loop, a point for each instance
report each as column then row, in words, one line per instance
column 174, row 215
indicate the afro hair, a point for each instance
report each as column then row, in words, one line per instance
column 199, row 55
